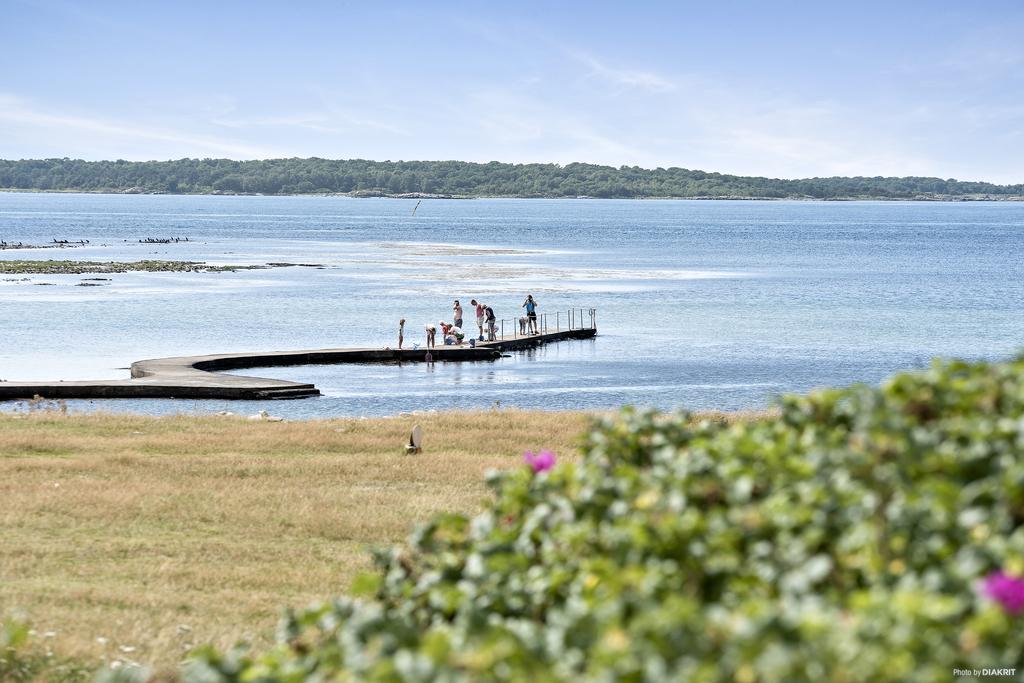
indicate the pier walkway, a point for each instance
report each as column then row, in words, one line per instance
column 200, row 377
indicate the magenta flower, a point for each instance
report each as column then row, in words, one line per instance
column 1007, row 590
column 540, row 462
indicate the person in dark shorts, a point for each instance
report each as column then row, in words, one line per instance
column 457, row 314
column 531, row 312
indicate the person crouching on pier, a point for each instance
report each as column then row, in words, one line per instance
column 451, row 334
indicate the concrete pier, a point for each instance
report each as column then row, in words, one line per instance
column 198, row 377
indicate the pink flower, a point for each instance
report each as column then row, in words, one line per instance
column 540, row 462
column 1007, row 590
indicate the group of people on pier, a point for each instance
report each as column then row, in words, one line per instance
column 486, row 323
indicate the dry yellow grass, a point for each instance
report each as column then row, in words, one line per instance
column 138, row 537
column 153, row 534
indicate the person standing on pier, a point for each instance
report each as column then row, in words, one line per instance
column 457, row 314
column 531, row 312
column 480, row 317
column 431, row 333
column 401, row 333
column 491, row 323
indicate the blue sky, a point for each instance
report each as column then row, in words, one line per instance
column 783, row 89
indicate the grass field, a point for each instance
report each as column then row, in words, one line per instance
column 137, row 538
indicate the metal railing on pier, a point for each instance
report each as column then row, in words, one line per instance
column 569, row 319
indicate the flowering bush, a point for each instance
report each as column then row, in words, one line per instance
column 1007, row 591
column 848, row 539
column 540, row 462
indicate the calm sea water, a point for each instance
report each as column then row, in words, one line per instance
column 700, row 304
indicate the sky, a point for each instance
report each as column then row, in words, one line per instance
column 779, row 89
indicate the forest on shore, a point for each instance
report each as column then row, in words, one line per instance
column 360, row 177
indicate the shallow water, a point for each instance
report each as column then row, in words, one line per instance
column 700, row 304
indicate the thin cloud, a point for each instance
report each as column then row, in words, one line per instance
column 335, row 123
column 517, row 127
column 987, row 52
column 630, row 78
column 515, row 36
column 312, row 122
column 15, row 110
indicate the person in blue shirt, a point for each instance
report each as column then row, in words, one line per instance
column 531, row 312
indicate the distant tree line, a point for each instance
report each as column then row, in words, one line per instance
column 309, row 176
